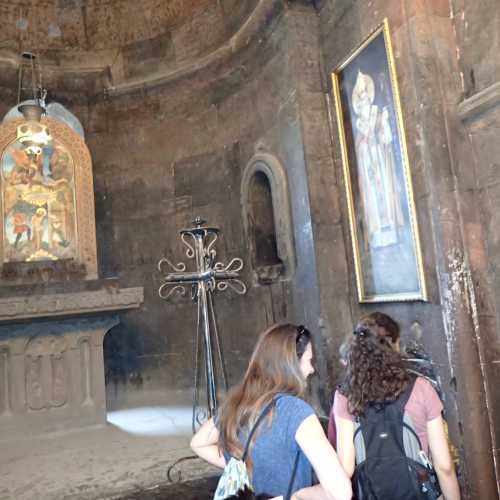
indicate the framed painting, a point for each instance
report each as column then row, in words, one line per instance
column 46, row 202
column 382, row 215
column 38, row 195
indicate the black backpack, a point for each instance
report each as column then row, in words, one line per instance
column 390, row 462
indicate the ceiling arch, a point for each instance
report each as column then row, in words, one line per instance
column 96, row 44
column 93, row 24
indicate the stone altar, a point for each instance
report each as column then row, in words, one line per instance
column 54, row 311
column 51, row 368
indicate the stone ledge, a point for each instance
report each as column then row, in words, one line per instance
column 63, row 304
column 471, row 108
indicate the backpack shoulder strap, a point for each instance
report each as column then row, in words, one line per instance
column 261, row 417
column 400, row 403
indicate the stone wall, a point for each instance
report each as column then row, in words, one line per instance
column 171, row 145
column 167, row 154
column 103, row 44
column 476, row 28
column 447, row 324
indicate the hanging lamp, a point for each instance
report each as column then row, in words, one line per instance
column 31, row 133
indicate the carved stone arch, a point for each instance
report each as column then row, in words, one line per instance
column 271, row 167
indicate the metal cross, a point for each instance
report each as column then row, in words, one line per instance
column 208, row 277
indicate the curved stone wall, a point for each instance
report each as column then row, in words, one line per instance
column 167, row 153
column 114, row 40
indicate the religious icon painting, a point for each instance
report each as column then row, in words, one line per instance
column 38, row 195
column 382, row 215
column 47, row 219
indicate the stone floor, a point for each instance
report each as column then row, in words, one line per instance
column 196, row 489
column 129, row 458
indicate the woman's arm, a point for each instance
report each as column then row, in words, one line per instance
column 441, row 459
column 204, row 444
column 345, row 444
column 334, row 484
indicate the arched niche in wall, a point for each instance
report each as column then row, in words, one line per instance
column 267, row 218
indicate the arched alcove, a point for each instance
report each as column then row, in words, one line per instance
column 267, row 219
column 122, row 365
column 261, row 221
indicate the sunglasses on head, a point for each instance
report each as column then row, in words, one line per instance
column 301, row 332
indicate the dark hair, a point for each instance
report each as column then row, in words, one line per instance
column 375, row 372
column 381, row 324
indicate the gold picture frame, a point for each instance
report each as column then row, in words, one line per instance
column 381, row 206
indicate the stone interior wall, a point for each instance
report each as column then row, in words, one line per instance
column 477, row 32
column 476, row 26
column 166, row 155
column 91, row 46
column 168, row 152
column 451, row 322
column 162, row 157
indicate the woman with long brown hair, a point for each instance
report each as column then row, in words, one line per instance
column 376, row 376
column 277, row 372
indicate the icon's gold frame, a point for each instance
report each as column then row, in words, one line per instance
column 394, row 297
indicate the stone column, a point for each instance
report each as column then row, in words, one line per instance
column 326, row 231
column 429, row 46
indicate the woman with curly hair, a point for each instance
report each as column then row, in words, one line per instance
column 376, row 375
column 289, row 440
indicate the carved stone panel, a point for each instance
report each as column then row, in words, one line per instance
column 85, row 355
column 47, row 375
column 5, row 381
column 52, row 375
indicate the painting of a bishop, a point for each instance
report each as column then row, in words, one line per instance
column 377, row 173
column 378, row 186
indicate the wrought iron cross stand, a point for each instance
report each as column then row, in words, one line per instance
column 208, row 277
